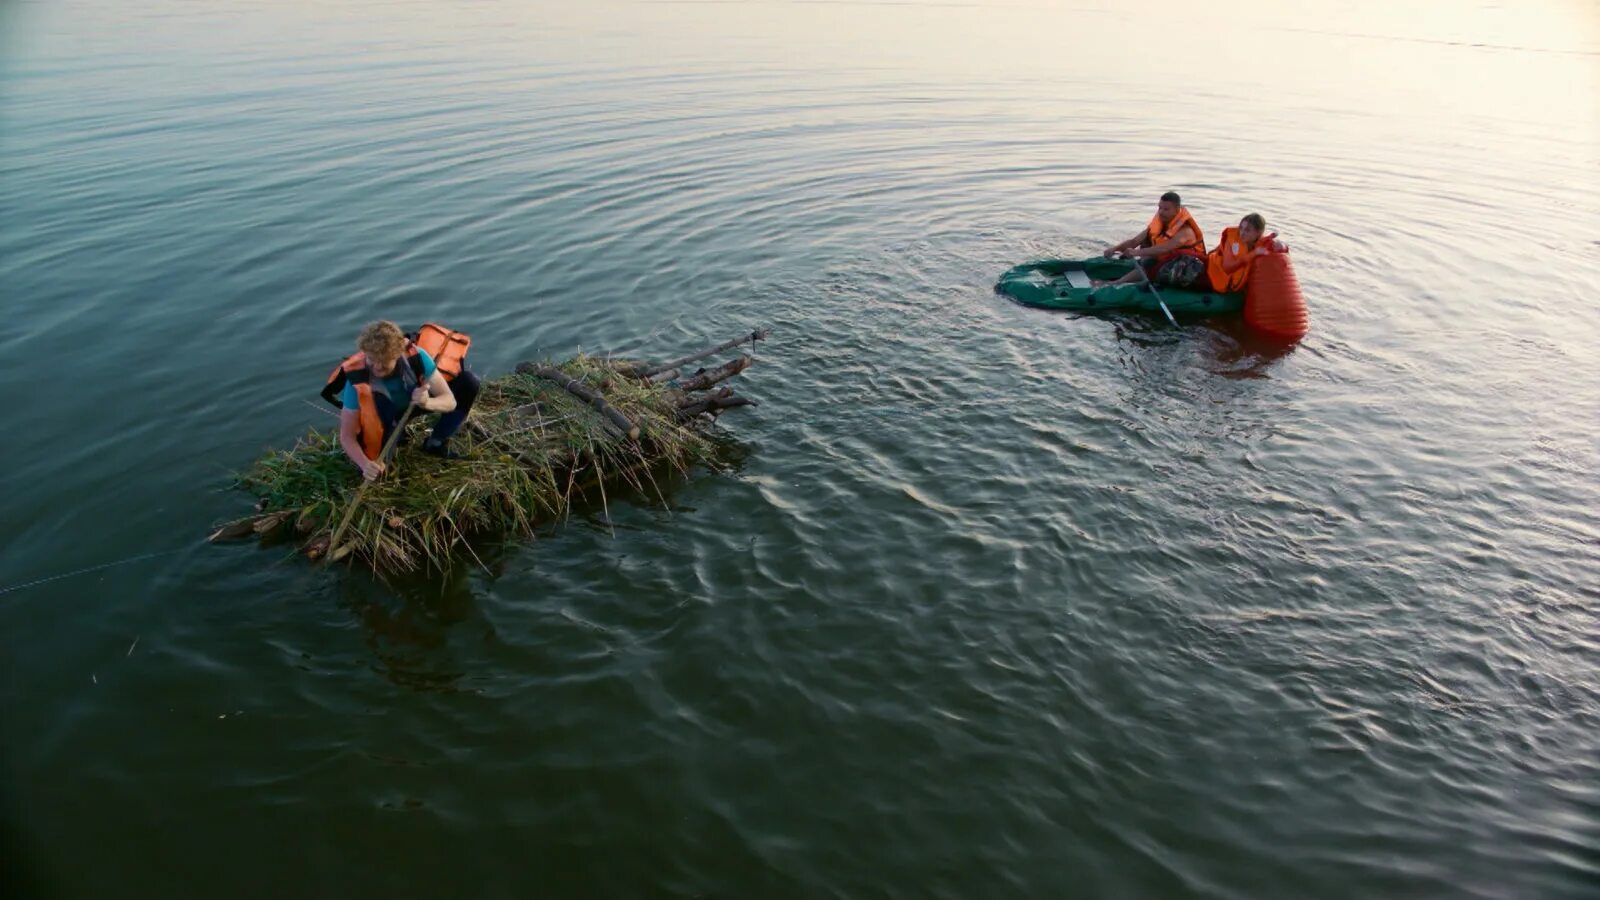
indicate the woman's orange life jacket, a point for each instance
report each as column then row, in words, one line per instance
column 449, row 351
column 1159, row 232
column 1228, row 266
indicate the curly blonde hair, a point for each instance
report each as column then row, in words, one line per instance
column 382, row 340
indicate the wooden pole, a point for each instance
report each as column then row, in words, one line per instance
column 725, row 399
column 361, row 492
column 721, row 373
column 759, row 334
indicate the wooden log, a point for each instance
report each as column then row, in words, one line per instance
column 582, row 392
column 717, row 406
column 659, row 377
column 233, row 531
column 759, row 334
column 702, row 380
column 691, row 401
column 722, row 400
column 267, row 524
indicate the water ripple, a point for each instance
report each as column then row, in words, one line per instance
column 1021, row 602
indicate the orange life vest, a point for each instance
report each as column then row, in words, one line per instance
column 449, row 351
column 1231, row 251
column 448, row 348
column 1159, row 232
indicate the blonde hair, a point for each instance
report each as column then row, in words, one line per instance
column 382, row 339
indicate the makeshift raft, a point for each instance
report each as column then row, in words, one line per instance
column 537, row 440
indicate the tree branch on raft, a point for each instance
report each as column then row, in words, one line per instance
column 706, row 378
column 760, row 334
column 723, row 399
column 582, row 392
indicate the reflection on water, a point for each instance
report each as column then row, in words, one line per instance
column 1018, row 601
column 406, row 623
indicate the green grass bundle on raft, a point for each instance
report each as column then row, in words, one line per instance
column 530, row 447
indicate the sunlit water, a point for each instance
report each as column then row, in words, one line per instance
column 992, row 602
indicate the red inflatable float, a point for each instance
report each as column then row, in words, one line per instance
column 1273, row 306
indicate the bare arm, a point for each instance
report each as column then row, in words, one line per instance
column 1269, row 244
column 1185, row 235
column 1233, row 262
column 435, row 396
column 1137, row 240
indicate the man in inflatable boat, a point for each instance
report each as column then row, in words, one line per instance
column 391, row 370
column 1173, row 251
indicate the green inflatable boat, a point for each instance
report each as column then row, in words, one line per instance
column 1065, row 284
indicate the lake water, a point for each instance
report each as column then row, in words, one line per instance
column 992, row 601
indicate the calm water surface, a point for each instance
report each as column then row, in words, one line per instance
column 993, row 602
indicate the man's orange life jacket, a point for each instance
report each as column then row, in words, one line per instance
column 1160, row 232
column 449, row 351
column 448, row 348
column 1232, row 251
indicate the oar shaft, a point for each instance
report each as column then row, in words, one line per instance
column 1152, row 285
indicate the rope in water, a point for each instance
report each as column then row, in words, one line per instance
column 87, row 569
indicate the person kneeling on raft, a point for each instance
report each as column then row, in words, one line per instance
column 391, row 384
column 1171, row 247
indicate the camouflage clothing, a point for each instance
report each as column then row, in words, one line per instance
column 1181, row 271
